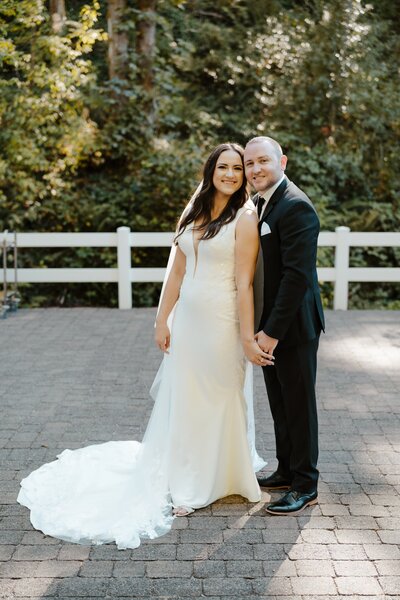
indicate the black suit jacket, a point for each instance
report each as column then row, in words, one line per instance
column 292, row 309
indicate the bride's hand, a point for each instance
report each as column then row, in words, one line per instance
column 257, row 356
column 162, row 336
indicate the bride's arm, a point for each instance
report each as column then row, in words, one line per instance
column 168, row 301
column 246, row 251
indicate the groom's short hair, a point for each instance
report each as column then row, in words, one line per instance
column 264, row 138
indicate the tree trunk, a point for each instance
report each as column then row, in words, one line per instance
column 117, row 40
column 58, row 15
column 146, row 42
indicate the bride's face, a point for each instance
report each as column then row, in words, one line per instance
column 228, row 173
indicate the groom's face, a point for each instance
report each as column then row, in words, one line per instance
column 263, row 165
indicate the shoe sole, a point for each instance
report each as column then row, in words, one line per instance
column 293, row 512
column 275, row 489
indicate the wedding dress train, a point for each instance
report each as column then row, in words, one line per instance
column 199, row 443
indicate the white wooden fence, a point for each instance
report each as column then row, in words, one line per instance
column 341, row 274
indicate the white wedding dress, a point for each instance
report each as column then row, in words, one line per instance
column 199, row 443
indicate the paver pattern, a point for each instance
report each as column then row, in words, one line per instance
column 72, row 377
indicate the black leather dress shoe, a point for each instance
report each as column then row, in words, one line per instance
column 292, row 503
column 274, row 482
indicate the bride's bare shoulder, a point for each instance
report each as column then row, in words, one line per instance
column 247, row 218
column 249, row 205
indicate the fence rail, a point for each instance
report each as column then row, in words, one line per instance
column 342, row 239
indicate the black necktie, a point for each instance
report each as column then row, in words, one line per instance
column 260, row 205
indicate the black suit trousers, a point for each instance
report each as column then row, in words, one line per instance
column 291, row 393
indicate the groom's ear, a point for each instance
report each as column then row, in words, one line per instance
column 284, row 160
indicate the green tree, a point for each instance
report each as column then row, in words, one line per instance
column 104, row 130
column 47, row 133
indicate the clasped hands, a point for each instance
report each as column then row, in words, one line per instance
column 260, row 351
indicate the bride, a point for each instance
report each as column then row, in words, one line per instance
column 199, row 442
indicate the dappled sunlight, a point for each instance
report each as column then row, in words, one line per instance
column 356, row 350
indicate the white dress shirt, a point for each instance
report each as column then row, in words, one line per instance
column 268, row 194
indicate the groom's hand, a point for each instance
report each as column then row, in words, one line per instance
column 266, row 343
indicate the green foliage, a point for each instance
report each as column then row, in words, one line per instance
column 47, row 133
column 79, row 152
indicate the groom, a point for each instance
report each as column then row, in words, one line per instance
column 291, row 322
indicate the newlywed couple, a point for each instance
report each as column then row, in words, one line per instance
column 199, row 444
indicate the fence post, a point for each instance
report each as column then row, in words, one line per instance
column 342, row 254
column 124, row 268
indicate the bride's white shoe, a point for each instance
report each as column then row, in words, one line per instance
column 182, row 511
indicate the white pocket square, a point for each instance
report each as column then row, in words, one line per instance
column 265, row 228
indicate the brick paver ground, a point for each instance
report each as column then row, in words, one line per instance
column 69, row 378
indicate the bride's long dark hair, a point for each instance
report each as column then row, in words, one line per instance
column 201, row 206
